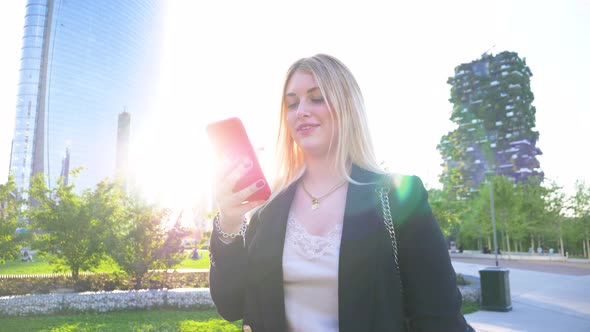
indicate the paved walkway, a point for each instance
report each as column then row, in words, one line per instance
column 541, row 301
column 574, row 269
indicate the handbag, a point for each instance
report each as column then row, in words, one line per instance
column 388, row 222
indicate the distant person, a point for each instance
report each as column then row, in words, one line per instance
column 486, row 250
column 318, row 256
column 461, row 248
column 539, row 250
column 194, row 254
column 27, row 257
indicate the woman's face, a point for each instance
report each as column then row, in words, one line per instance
column 308, row 116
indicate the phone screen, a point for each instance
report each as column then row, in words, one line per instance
column 231, row 142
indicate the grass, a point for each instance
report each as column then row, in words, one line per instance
column 201, row 263
column 145, row 321
column 469, row 307
column 40, row 265
column 461, row 281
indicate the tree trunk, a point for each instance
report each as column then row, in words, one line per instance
column 507, row 240
column 587, row 245
column 561, row 249
column 584, row 247
column 533, row 243
column 490, row 244
column 514, row 246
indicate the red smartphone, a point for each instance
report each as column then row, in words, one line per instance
column 231, row 142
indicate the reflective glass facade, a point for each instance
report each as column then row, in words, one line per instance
column 83, row 62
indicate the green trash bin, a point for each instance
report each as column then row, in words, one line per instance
column 495, row 289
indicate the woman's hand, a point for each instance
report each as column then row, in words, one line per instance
column 233, row 205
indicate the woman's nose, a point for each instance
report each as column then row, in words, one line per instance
column 303, row 109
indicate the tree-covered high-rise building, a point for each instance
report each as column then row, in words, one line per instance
column 495, row 134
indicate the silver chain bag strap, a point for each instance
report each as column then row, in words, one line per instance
column 388, row 221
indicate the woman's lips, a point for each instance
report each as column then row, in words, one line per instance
column 307, row 128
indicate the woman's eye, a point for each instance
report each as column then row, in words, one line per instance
column 292, row 106
column 318, row 100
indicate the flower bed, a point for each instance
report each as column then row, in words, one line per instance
column 182, row 298
column 25, row 305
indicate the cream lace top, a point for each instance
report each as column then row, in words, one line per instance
column 310, row 273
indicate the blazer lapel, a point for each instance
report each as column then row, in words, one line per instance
column 266, row 260
column 361, row 229
column 361, row 226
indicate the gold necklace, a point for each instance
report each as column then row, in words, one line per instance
column 315, row 201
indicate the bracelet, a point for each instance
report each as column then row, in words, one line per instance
column 241, row 232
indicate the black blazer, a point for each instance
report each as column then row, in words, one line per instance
column 246, row 277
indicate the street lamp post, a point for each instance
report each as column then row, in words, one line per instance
column 493, row 218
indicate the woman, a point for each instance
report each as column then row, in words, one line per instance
column 317, row 256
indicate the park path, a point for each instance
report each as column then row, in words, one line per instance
column 568, row 268
column 556, row 299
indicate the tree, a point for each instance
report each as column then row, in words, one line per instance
column 448, row 211
column 530, row 214
column 476, row 224
column 172, row 252
column 555, row 202
column 9, row 212
column 580, row 204
column 136, row 244
column 480, row 212
column 72, row 226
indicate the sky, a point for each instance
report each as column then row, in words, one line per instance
column 228, row 58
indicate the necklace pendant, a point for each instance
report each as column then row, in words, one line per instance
column 315, row 204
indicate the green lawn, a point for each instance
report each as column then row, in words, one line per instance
column 201, row 263
column 145, row 321
column 469, row 307
column 18, row 267
column 41, row 265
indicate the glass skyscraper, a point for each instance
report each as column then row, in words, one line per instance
column 83, row 62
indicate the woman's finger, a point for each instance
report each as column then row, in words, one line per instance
column 228, row 182
column 243, row 194
column 224, row 165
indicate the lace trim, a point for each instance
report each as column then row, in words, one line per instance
column 308, row 245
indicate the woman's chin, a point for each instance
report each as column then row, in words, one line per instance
column 314, row 150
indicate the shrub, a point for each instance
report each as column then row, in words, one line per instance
column 461, row 280
column 102, row 282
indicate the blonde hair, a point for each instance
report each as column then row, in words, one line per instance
column 352, row 144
